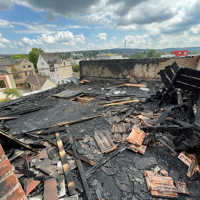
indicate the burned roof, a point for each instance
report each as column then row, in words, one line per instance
column 112, row 141
column 51, row 58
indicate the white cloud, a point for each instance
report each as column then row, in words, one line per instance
column 61, row 37
column 5, row 24
column 35, row 28
column 102, row 36
column 195, row 29
column 5, row 4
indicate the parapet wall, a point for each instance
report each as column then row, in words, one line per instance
column 131, row 69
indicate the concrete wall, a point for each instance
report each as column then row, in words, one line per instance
column 131, row 69
column 65, row 70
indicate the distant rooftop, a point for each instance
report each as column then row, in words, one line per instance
column 52, row 58
column 10, row 61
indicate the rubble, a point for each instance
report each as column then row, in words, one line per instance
column 160, row 186
column 107, row 140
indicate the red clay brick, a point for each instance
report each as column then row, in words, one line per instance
column 5, row 167
column 7, row 185
column 50, row 189
column 17, row 194
column 1, row 151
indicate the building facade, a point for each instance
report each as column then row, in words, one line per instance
column 19, row 68
column 54, row 67
column 6, row 81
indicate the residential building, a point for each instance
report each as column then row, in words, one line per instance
column 38, row 82
column 6, row 81
column 53, row 66
column 108, row 56
column 20, row 68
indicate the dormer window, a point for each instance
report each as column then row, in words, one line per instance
column 52, row 68
column 2, row 84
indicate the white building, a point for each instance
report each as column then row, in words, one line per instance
column 53, row 66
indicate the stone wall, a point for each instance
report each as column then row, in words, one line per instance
column 131, row 69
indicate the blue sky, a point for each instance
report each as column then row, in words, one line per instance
column 65, row 25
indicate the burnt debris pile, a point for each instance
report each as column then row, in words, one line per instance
column 104, row 140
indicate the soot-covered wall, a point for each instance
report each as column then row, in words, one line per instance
column 131, row 69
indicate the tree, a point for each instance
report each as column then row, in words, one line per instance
column 34, row 55
column 66, row 55
column 11, row 93
column 76, row 68
column 153, row 53
column 138, row 56
column 18, row 56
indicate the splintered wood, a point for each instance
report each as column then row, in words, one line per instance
column 191, row 161
column 134, row 85
column 84, row 98
column 121, row 102
column 160, row 186
column 84, row 81
column 104, row 141
column 66, row 166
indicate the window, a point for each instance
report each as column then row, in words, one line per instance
column 24, row 66
column 52, row 68
column 2, row 84
column 29, row 66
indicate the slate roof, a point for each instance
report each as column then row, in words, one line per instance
column 3, row 70
column 9, row 61
column 52, row 58
column 37, row 80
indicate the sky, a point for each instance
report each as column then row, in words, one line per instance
column 72, row 25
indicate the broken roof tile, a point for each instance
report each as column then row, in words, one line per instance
column 141, row 149
column 136, row 136
column 182, row 187
column 160, row 186
column 50, row 189
column 104, row 141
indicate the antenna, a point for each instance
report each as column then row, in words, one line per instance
column 125, row 44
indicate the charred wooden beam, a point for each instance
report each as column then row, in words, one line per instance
column 121, row 102
column 83, row 158
column 65, row 123
column 81, row 171
column 169, row 128
column 166, row 145
column 104, row 161
column 66, row 166
column 40, row 137
column 14, row 142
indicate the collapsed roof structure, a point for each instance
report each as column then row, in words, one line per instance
column 105, row 140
